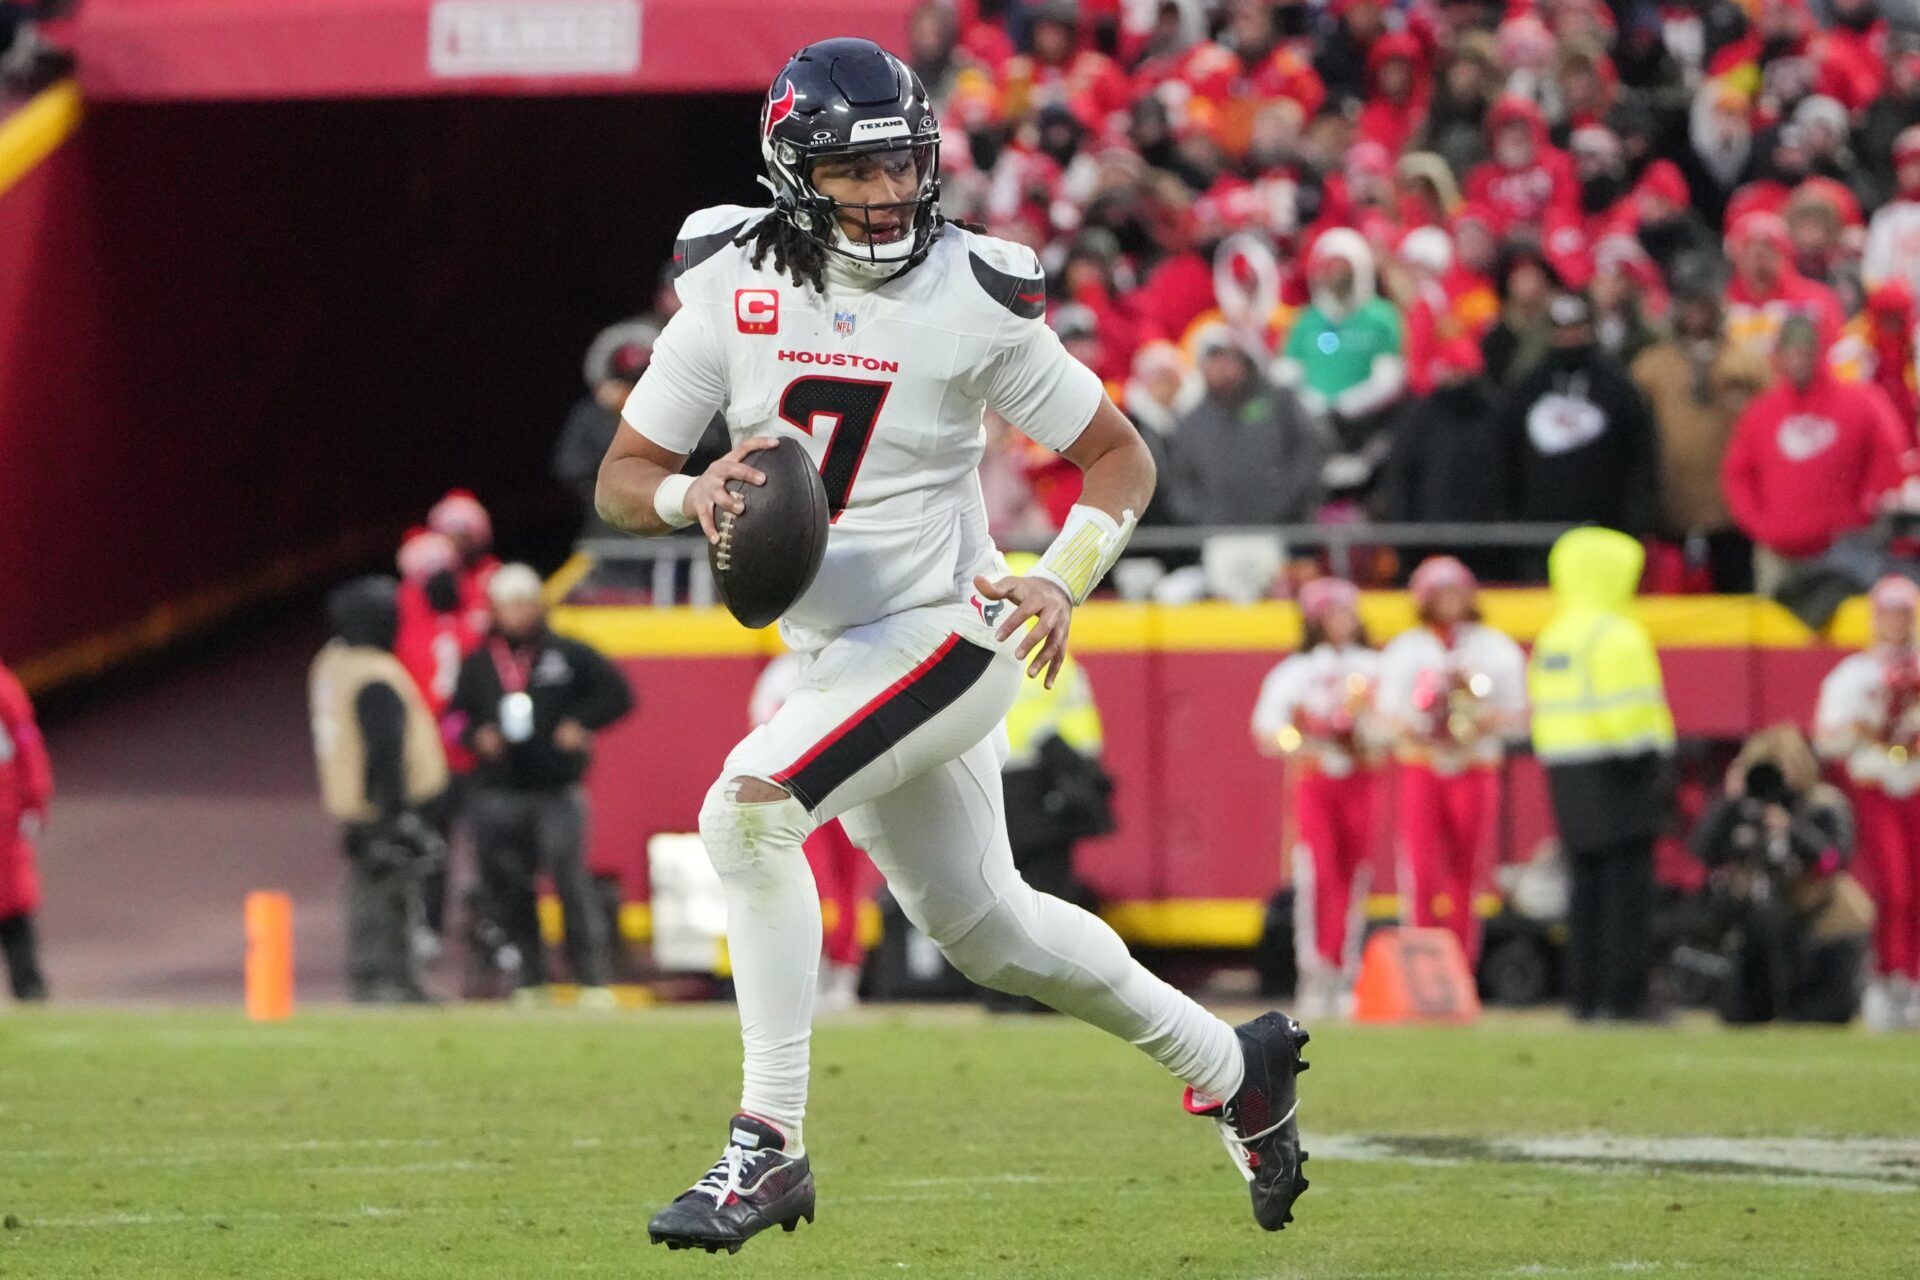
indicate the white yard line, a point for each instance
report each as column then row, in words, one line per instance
column 1851, row 1164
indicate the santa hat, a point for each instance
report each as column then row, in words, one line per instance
column 1427, row 247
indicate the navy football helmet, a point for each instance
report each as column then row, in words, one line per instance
column 850, row 97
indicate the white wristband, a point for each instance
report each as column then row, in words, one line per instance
column 670, row 499
column 1088, row 544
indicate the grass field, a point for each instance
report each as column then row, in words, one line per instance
column 482, row 1143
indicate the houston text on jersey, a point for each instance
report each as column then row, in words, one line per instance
column 841, row 360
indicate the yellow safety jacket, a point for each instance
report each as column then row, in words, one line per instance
column 1066, row 709
column 1594, row 678
column 1039, row 712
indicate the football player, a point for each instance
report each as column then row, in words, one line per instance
column 851, row 317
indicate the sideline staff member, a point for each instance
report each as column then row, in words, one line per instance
column 381, row 763
column 531, row 702
column 1602, row 728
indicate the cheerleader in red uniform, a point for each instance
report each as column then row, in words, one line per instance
column 1869, row 719
column 1315, row 708
column 1452, row 692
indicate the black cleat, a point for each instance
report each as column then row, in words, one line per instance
column 754, row 1185
column 1258, row 1123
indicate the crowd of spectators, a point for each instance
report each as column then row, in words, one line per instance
column 1547, row 260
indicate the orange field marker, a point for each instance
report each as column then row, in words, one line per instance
column 269, row 956
column 1414, row 975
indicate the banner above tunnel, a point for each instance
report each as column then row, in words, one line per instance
column 215, row 50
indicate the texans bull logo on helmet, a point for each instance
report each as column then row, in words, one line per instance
column 778, row 109
column 845, row 98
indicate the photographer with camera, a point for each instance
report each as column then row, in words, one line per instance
column 1792, row 925
column 381, row 765
column 1869, row 718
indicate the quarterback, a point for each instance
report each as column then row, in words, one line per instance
column 851, row 317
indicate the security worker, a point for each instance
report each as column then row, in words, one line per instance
column 1602, row 728
column 381, row 764
column 1056, row 792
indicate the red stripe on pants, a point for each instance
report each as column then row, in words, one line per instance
column 839, row 874
column 1888, row 865
column 1336, row 826
column 879, row 700
column 1445, row 823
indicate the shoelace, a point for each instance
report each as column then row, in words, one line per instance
column 723, row 1180
column 1239, row 1149
column 1229, row 1125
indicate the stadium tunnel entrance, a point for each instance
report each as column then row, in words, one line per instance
column 242, row 344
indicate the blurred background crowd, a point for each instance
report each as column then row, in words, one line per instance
column 1461, row 262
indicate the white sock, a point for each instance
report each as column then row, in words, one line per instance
column 773, row 945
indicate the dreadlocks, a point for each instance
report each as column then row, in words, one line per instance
column 799, row 255
column 794, row 251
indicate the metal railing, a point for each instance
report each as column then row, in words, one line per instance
column 675, row 569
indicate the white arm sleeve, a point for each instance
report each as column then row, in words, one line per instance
column 1876, row 261
column 1381, row 386
column 1842, row 707
column 684, row 386
column 1509, row 696
column 1393, row 694
column 1279, row 696
column 1033, row 383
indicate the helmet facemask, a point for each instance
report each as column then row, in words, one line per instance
column 889, row 236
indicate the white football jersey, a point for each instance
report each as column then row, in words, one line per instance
column 1420, row 656
column 1851, row 718
column 884, row 386
column 1322, row 684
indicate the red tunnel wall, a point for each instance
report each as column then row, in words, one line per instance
column 234, row 334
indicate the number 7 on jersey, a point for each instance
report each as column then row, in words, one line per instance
column 853, row 405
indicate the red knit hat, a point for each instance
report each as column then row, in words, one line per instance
column 1664, row 180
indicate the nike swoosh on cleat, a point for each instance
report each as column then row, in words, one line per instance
column 1031, row 297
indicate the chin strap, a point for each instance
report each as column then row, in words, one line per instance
column 1088, row 544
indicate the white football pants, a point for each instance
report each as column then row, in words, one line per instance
column 895, row 729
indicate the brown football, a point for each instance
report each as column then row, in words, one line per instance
column 767, row 555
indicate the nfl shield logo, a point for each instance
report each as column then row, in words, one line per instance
column 843, row 323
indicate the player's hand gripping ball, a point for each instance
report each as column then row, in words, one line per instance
column 764, row 510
